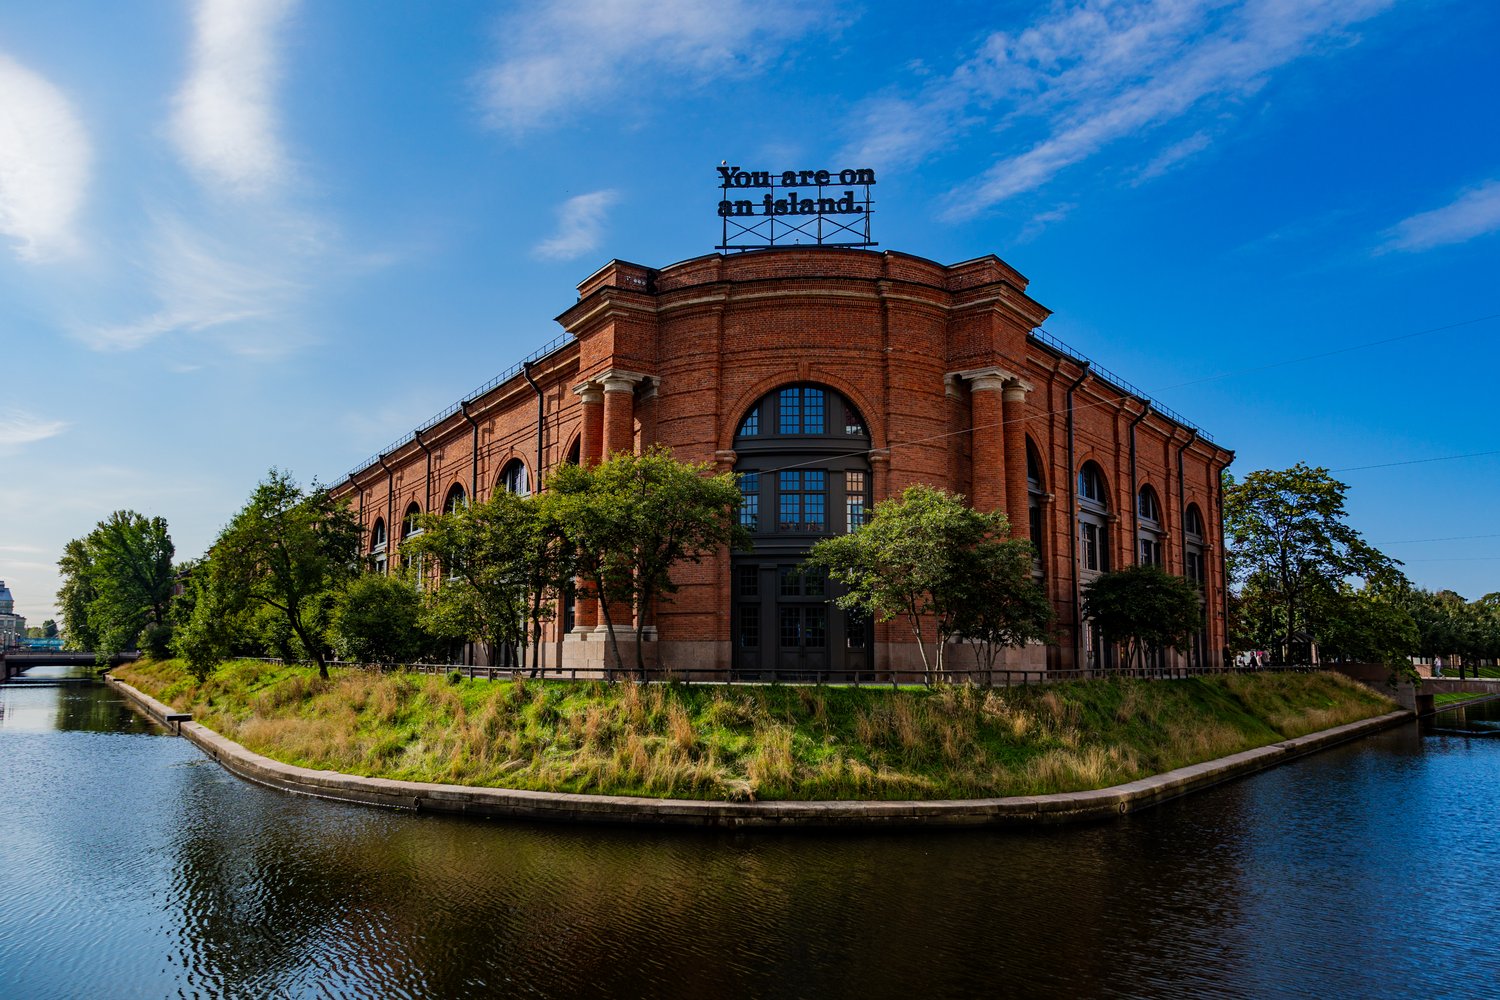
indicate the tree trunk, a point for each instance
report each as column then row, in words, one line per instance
column 609, row 627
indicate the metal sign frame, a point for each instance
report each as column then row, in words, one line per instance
column 764, row 208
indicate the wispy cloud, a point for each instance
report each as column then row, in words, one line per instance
column 1086, row 75
column 44, row 164
column 18, row 429
column 1173, row 156
column 243, row 287
column 224, row 121
column 580, row 227
column 1475, row 213
column 573, row 54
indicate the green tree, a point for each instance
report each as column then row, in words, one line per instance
column 117, row 585
column 629, row 520
column 948, row 568
column 49, row 629
column 1289, row 539
column 1369, row 624
column 481, row 553
column 1143, row 608
column 288, row 552
column 376, row 619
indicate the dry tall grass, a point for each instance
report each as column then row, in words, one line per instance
column 751, row 742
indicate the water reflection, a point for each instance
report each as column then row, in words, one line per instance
column 1333, row 877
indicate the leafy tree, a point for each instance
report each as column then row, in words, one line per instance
column 376, row 620
column 629, row 520
column 948, row 568
column 117, row 585
column 49, row 629
column 1143, row 608
column 998, row 605
column 1369, row 624
column 287, row 553
column 501, row 565
column 1289, row 539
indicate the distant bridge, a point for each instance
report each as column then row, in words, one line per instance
column 14, row 662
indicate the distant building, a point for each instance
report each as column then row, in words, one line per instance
column 12, row 625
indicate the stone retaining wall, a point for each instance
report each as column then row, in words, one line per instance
column 1062, row 807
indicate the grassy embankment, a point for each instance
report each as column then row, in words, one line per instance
column 710, row 742
column 1456, row 698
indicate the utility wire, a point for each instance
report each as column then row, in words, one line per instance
column 1414, row 461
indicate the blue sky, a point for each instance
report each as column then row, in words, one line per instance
column 243, row 234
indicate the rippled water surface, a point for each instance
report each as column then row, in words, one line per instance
column 132, row 866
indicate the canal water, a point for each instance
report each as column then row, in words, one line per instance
column 133, row 866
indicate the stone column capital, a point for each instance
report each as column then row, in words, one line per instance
column 987, row 379
column 589, row 392
column 1016, row 390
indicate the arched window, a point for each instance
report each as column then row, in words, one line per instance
column 1093, row 520
column 1148, row 539
column 1192, row 527
column 1147, row 505
column 513, row 478
column 378, row 557
column 454, row 500
column 1091, row 485
column 804, row 473
column 575, row 453
column 409, row 521
column 1036, row 494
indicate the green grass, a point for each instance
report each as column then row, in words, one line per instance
column 771, row 742
column 1458, row 698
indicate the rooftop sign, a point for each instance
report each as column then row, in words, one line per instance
column 766, row 208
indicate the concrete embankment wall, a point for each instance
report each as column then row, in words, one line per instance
column 1062, row 807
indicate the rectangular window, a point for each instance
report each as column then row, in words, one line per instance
column 790, row 501
column 789, row 581
column 1150, row 552
column 854, row 500
column 802, row 504
column 749, row 626
column 791, row 626
column 812, row 411
column 1195, row 568
column 815, row 629
column 1089, row 537
column 749, row 581
column 750, row 504
column 1034, row 513
column 789, row 411
column 855, row 626
column 814, row 500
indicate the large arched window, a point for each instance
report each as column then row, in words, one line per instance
column 513, row 478
column 804, row 473
column 455, row 499
column 409, row 521
column 1148, row 537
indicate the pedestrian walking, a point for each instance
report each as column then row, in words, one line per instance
column 1437, row 666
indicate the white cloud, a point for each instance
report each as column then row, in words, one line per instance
column 580, row 227
column 18, row 429
column 1087, row 74
column 244, row 287
column 573, row 54
column 1174, row 155
column 44, row 164
column 1474, row 213
column 224, row 120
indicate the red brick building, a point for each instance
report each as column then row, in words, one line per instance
column 828, row 379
